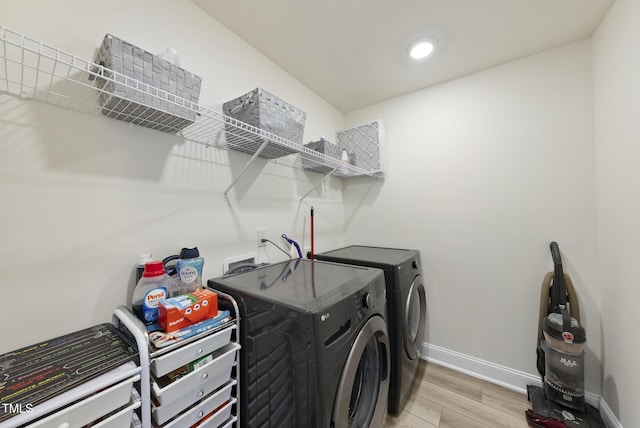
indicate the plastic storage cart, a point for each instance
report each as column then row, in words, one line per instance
column 207, row 395
column 83, row 378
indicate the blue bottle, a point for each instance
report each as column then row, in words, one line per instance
column 189, row 267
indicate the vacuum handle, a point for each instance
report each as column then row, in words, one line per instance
column 555, row 254
column 559, row 292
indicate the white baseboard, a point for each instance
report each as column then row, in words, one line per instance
column 607, row 415
column 509, row 378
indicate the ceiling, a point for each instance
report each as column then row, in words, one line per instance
column 352, row 53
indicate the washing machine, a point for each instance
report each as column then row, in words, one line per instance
column 406, row 309
column 315, row 348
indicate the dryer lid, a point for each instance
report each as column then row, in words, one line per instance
column 378, row 255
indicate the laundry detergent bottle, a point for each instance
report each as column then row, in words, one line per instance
column 155, row 285
column 189, row 267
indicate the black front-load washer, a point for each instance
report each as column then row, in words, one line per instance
column 315, row 349
column 406, row 309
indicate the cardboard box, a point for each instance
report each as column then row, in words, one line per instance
column 182, row 311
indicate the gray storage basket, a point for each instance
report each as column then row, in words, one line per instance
column 325, row 147
column 145, row 104
column 267, row 112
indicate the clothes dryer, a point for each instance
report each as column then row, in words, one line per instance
column 315, row 348
column 406, row 309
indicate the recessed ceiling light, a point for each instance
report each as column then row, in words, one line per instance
column 422, row 48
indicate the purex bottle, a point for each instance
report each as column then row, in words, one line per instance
column 155, row 285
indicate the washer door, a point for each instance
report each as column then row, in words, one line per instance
column 361, row 399
column 415, row 318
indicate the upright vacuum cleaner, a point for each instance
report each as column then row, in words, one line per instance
column 560, row 402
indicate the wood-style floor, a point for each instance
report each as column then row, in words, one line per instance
column 444, row 398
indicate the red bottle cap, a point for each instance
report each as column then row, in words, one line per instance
column 153, row 269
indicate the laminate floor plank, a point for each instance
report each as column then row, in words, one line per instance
column 445, row 398
column 409, row 420
column 504, row 399
column 453, row 419
column 464, row 385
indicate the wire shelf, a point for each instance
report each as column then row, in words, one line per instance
column 33, row 70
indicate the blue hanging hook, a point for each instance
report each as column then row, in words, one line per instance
column 294, row 243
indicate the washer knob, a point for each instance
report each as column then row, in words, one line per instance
column 367, row 300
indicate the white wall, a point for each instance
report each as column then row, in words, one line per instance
column 83, row 196
column 483, row 173
column 616, row 75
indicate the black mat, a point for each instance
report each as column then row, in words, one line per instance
column 36, row 373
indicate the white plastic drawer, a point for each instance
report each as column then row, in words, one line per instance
column 221, row 364
column 121, row 419
column 91, row 408
column 136, row 422
column 194, row 415
column 228, row 424
column 164, row 364
column 164, row 413
column 75, row 394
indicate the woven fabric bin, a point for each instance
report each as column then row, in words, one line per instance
column 265, row 111
column 142, row 101
column 325, row 147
